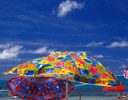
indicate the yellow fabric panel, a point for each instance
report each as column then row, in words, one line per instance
column 79, row 65
column 44, row 62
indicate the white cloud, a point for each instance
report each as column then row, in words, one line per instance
column 123, row 66
column 67, row 6
column 11, row 52
column 118, row 44
column 94, row 44
column 98, row 56
column 38, row 51
column 4, row 46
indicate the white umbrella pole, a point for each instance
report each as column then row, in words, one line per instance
column 66, row 87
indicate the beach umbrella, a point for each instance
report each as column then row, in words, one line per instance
column 120, row 88
column 39, row 88
column 72, row 66
column 116, row 89
column 126, row 76
column 126, row 73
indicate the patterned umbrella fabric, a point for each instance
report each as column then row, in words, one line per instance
column 126, row 76
column 126, row 73
column 77, row 65
column 40, row 88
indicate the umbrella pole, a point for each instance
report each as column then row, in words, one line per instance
column 66, row 87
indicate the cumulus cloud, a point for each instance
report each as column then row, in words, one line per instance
column 10, row 52
column 118, row 44
column 67, row 6
column 94, row 44
column 4, row 46
column 98, row 56
column 38, row 51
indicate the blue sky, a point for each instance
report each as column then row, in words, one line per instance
column 32, row 28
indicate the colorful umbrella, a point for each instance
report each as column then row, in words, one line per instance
column 77, row 65
column 72, row 66
column 40, row 88
column 126, row 73
column 126, row 76
column 115, row 88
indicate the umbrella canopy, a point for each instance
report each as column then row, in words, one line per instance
column 77, row 65
column 126, row 76
column 40, row 88
column 115, row 88
column 126, row 73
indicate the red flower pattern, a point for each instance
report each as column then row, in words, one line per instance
column 93, row 70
